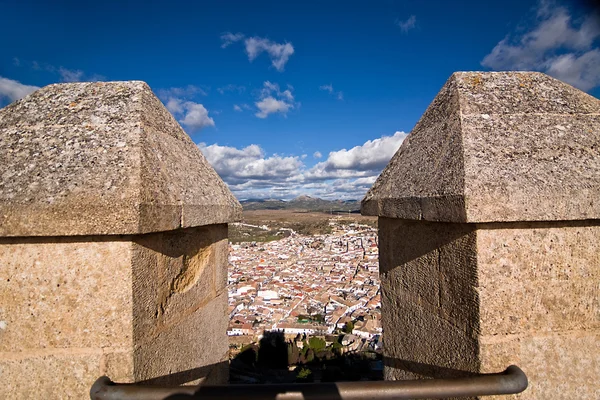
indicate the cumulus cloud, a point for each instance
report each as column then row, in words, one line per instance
column 191, row 114
column 317, row 154
column 270, row 105
column 346, row 174
column 558, row 44
column 273, row 100
column 329, row 88
column 14, row 90
column 359, row 161
column 238, row 165
column 407, row 25
column 279, row 53
column 196, row 116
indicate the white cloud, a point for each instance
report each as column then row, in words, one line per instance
column 581, row 71
column 359, row 161
column 195, row 116
column 16, row 62
column 346, row 174
column 178, row 100
column 279, row 53
column 555, row 45
column 175, row 106
column 270, row 105
column 317, row 154
column 273, row 100
column 229, row 38
column 14, row 90
column 68, row 75
column 330, row 90
column 407, row 25
column 236, row 166
column 237, row 108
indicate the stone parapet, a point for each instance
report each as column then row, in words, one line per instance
column 103, row 158
column 489, row 229
column 113, row 245
column 496, row 147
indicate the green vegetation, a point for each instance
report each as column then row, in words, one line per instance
column 304, row 223
column 270, row 361
column 318, row 318
column 317, row 344
column 348, row 327
column 304, row 373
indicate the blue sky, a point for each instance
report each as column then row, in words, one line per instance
column 290, row 98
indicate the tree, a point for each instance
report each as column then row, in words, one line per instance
column 317, row 344
column 348, row 327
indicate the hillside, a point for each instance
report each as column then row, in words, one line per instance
column 305, row 203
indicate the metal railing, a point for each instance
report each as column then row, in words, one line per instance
column 511, row 381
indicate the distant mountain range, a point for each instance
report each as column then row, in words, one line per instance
column 305, row 203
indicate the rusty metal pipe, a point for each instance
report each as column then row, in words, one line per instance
column 511, row 381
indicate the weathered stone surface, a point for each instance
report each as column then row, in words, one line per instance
column 430, row 309
column 539, row 277
column 53, row 376
column 188, row 351
column 180, row 306
column 489, row 231
column 62, row 293
column 558, row 366
column 175, row 274
column 147, row 307
column 102, row 158
column 480, row 297
column 497, row 146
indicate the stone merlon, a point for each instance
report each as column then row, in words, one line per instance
column 103, row 158
column 497, row 146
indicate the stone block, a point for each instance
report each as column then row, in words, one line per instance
column 489, row 230
column 419, row 344
column 188, row 351
column 539, row 277
column 118, row 365
column 65, row 293
column 102, row 158
column 175, row 273
column 494, row 147
column 113, row 244
column 49, row 376
column 558, row 366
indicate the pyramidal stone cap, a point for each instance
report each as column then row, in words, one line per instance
column 493, row 147
column 103, row 158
